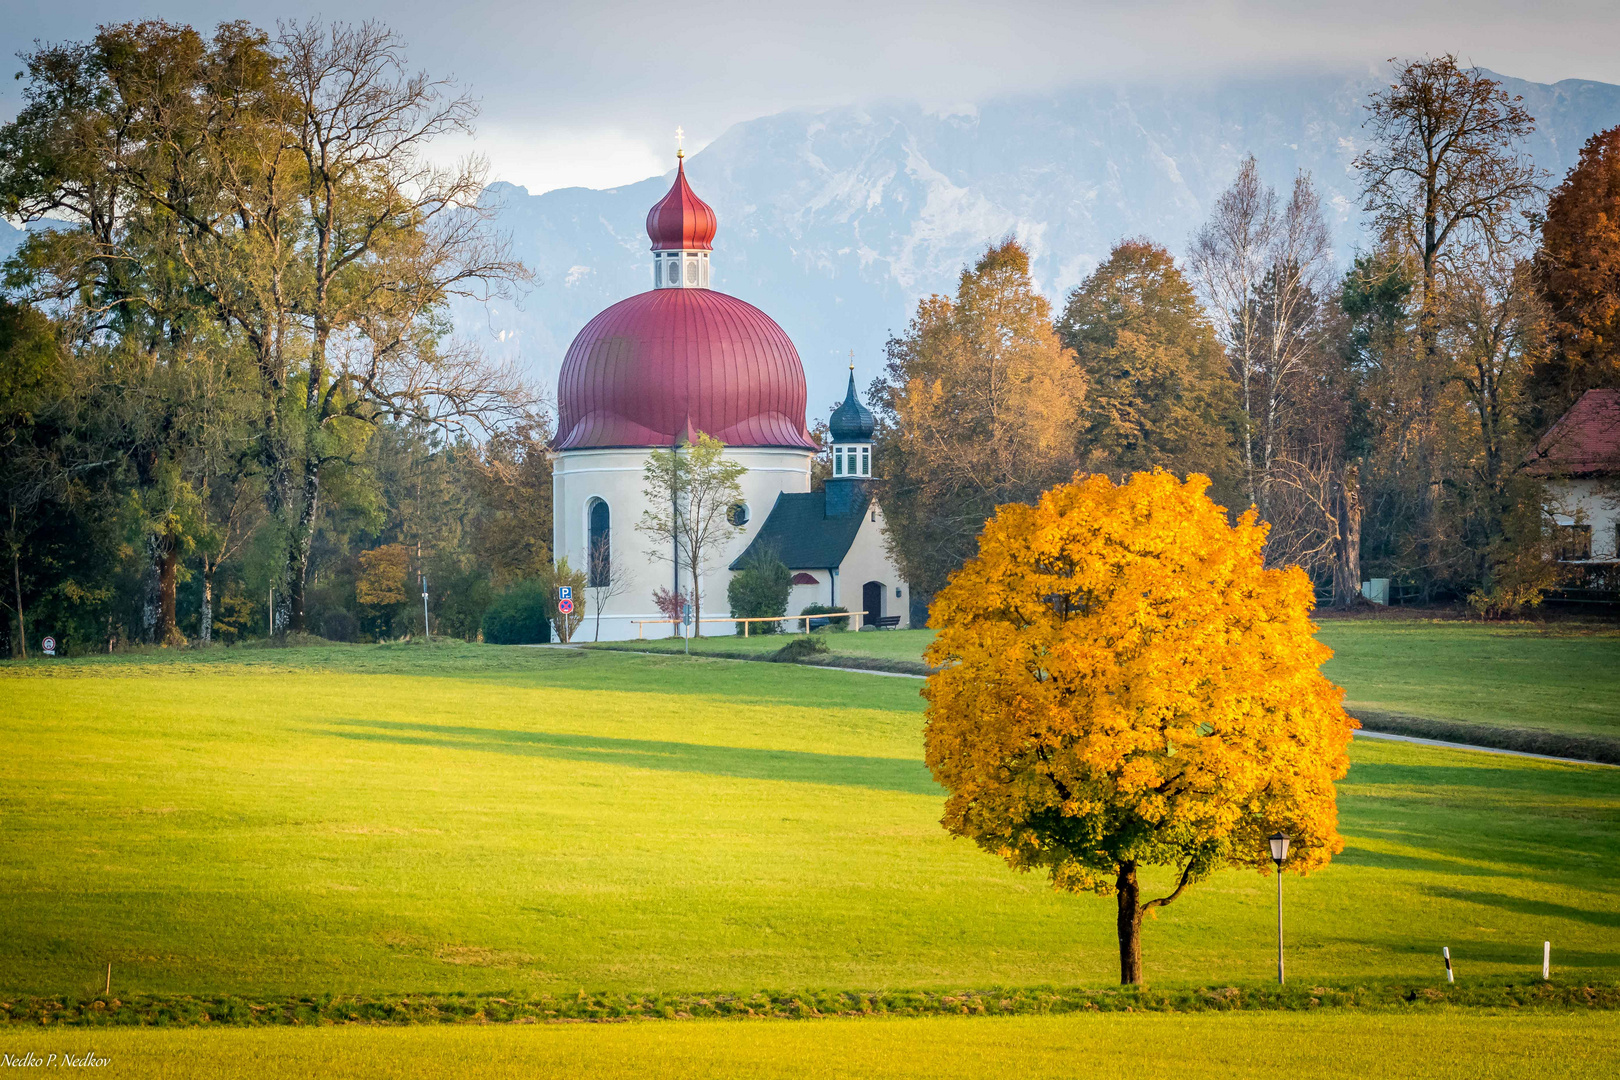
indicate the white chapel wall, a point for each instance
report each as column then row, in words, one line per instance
column 615, row 476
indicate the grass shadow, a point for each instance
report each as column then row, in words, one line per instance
column 794, row 766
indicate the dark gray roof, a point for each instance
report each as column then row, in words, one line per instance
column 852, row 421
column 803, row 536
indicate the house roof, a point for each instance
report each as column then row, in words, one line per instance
column 803, row 536
column 1584, row 441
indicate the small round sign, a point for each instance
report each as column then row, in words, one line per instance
column 565, row 606
column 49, row 645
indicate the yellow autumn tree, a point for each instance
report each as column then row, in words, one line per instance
column 1122, row 684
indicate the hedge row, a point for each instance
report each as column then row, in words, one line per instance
column 197, row 1011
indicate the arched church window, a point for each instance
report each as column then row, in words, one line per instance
column 737, row 514
column 691, row 272
column 601, row 545
column 674, row 273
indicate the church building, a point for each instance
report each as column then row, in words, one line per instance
column 656, row 369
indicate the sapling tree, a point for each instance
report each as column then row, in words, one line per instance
column 1121, row 685
column 690, row 490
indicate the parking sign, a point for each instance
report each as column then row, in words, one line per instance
column 565, row 606
column 565, row 592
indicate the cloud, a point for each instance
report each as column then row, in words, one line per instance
column 586, row 92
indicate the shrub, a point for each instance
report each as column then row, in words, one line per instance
column 838, row 625
column 798, row 649
column 760, row 591
column 518, row 615
column 339, row 625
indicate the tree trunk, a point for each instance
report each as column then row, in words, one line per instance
column 16, row 581
column 298, row 549
column 206, row 632
column 164, row 630
column 1347, row 539
column 1130, row 926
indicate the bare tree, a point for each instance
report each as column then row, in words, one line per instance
column 393, row 237
column 601, row 582
column 1446, row 170
column 1263, row 268
column 1229, row 257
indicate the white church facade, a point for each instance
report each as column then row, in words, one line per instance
column 656, row 369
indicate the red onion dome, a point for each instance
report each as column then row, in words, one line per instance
column 681, row 221
column 658, row 367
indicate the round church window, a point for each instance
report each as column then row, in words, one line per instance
column 738, row 514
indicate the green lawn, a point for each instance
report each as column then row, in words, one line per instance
column 1558, row 678
column 395, row 819
column 1330, row 1046
column 1564, row 679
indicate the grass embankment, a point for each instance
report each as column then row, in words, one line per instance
column 388, row 821
column 1442, row 1044
column 1546, row 689
column 1542, row 688
column 885, row 650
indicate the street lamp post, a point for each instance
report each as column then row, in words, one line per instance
column 1279, row 852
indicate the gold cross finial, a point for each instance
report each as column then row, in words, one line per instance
column 852, row 359
column 680, row 142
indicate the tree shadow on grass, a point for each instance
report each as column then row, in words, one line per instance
column 1521, row 905
column 794, row 766
column 1354, row 855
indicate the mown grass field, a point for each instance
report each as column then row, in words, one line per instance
column 1556, row 677
column 392, row 819
column 1322, row 1046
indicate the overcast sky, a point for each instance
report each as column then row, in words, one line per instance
column 589, row 93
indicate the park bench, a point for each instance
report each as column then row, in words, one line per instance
column 888, row 622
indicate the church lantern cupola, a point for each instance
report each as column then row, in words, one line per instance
column 682, row 228
column 851, row 427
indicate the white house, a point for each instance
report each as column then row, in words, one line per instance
column 1579, row 460
column 653, row 371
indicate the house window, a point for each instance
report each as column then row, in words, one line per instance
column 1572, row 542
column 600, row 572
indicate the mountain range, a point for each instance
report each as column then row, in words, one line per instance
column 836, row 222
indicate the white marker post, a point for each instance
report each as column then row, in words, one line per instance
column 1546, row 961
column 427, row 631
column 1451, row 976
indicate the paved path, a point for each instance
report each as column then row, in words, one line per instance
column 1360, row 733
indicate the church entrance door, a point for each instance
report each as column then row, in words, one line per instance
column 872, row 601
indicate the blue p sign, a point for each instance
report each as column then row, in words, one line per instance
column 565, row 592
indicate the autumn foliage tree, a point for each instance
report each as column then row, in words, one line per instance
column 1123, row 685
column 1158, row 394
column 979, row 402
column 1578, row 267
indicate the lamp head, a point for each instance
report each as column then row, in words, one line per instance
column 1279, row 848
